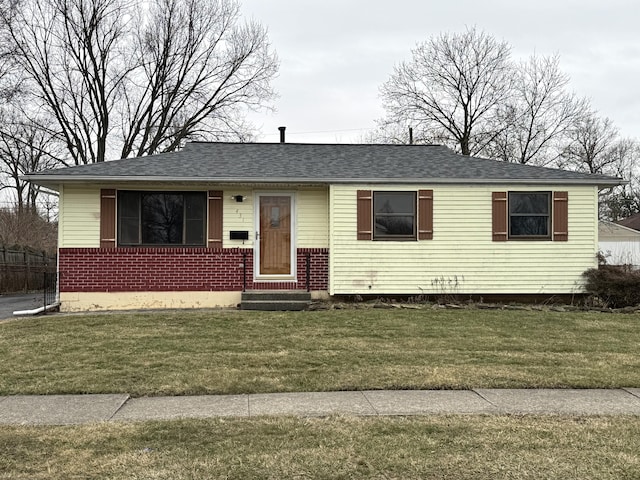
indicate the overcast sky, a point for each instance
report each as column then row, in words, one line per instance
column 334, row 55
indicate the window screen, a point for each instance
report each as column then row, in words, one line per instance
column 394, row 215
column 529, row 214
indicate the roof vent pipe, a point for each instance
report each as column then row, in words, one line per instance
column 282, row 129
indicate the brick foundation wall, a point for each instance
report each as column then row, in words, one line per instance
column 178, row 269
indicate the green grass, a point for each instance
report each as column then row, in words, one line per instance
column 456, row 447
column 244, row 352
column 220, row 352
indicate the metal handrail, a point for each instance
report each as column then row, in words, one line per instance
column 50, row 296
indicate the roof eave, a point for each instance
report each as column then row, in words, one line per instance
column 61, row 179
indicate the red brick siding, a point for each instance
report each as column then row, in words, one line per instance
column 318, row 268
column 134, row 269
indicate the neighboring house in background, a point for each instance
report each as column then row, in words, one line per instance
column 195, row 228
column 632, row 222
column 619, row 245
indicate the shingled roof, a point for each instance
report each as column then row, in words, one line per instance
column 314, row 163
column 631, row 222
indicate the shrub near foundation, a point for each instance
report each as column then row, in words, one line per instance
column 614, row 286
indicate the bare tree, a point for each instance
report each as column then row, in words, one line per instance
column 391, row 133
column 24, row 147
column 590, row 140
column 27, row 229
column 452, row 88
column 594, row 146
column 9, row 78
column 621, row 160
column 68, row 48
column 538, row 115
column 196, row 68
column 624, row 200
column 121, row 80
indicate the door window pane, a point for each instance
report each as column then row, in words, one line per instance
column 275, row 217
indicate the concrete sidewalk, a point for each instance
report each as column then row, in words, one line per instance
column 78, row 409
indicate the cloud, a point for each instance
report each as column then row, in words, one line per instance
column 335, row 54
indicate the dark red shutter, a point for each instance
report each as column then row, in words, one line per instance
column 560, row 216
column 499, row 216
column 425, row 214
column 214, row 230
column 365, row 199
column 107, row 218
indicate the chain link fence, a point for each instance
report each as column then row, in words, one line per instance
column 25, row 270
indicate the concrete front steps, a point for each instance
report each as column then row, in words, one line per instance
column 275, row 300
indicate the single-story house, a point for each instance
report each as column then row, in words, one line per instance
column 197, row 227
column 619, row 245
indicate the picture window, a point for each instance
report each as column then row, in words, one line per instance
column 161, row 218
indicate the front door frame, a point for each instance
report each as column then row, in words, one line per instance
column 257, row 275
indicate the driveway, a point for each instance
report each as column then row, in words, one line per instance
column 22, row 301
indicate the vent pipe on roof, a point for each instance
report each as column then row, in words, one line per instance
column 282, row 129
column 410, row 136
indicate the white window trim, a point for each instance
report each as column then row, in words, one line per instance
column 257, row 276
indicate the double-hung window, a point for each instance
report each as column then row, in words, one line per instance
column 521, row 215
column 530, row 215
column 394, row 215
column 161, row 218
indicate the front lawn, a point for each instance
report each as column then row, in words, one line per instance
column 440, row 447
column 222, row 352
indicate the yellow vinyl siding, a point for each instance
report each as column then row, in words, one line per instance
column 79, row 215
column 237, row 216
column 461, row 258
column 312, row 218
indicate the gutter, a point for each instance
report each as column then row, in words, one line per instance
column 57, row 179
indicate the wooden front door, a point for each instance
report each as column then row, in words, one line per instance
column 275, row 235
